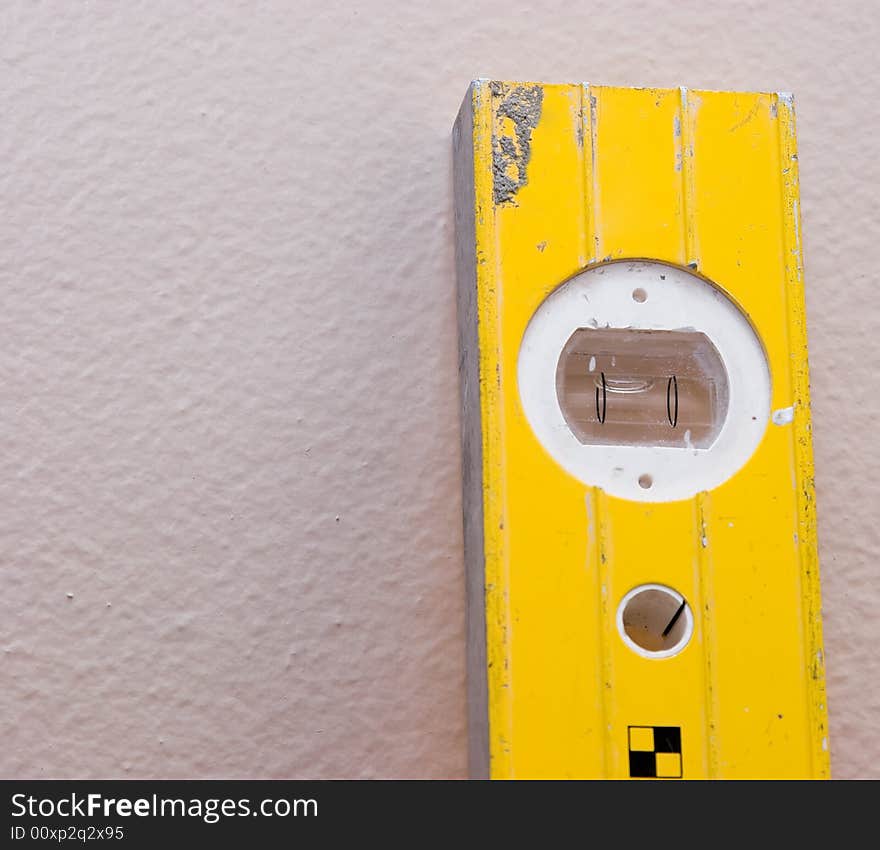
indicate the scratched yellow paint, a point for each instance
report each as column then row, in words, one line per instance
column 684, row 177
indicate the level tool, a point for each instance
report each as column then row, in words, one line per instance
column 640, row 533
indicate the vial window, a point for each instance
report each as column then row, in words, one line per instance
column 629, row 387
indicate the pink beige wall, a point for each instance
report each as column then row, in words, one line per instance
column 230, row 537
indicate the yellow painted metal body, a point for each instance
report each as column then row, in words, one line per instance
column 691, row 178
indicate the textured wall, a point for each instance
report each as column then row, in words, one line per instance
column 230, row 535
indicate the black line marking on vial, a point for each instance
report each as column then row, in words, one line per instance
column 674, row 619
column 601, row 415
column 671, row 388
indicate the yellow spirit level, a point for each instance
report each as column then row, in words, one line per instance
column 640, row 539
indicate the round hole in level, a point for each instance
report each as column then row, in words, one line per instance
column 640, row 295
column 655, row 621
column 645, row 481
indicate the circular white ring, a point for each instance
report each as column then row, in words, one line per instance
column 685, row 635
column 601, row 297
